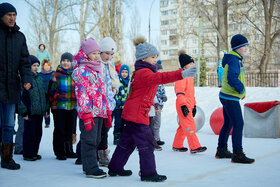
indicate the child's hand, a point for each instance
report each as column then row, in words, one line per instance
column 114, row 91
column 47, row 115
column 88, row 121
column 194, row 111
column 25, row 117
column 27, row 86
column 191, row 72
column 185, row 110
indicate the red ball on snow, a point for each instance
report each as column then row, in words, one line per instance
column 217, row 121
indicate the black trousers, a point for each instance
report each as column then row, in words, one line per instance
column 104, row 137
column 32, row 135
column 64, row 121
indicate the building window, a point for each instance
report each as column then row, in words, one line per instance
column 164, row 32
column 163, row 42
column 164, row 13
column 164, row 22
column 172, row 52
column 173, row 31
column 163, row 3
column 194, row 51
column 173, row 12
column 165, row 52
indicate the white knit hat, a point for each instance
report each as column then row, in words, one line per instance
column 107, row 44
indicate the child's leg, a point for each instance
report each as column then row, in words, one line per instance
column 143, row 138
column 227, row 126
column 103, row 145
column 156, row 125
column 59, row 117
column 39, row 121
column 19, row 135
column 89, row 143
column 122, row 152
column 29, row 137
column 71, row 122
column 236, row 120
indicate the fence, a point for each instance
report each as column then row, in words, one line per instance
column 252, row 79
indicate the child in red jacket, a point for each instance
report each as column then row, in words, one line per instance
column 185, row 105
column 137, row 132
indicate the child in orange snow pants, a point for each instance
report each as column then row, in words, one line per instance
column 186, row 110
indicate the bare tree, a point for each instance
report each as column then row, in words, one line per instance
column 50, row 14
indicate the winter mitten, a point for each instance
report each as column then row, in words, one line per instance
column 88, row 121
column 185, row 110
column 194, row 111
column 191, row 72
column 108, row 120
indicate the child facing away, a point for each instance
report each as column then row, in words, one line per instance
column 111, row 79
column 120, row 98
column 46, row 75
column 92, row 104
column 161, row 98
column 186, row 110
column 233, row 89
column 137, row 132
column 63, row 103
column 32, row 108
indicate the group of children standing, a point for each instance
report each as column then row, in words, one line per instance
column 88, row 86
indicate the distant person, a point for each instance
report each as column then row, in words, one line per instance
column 137, row 132
column 233, row 89
column 220, row 69
column 32, row 108
column 14, row 70
column 46, row 75
column 186, row 110
column 42, row 54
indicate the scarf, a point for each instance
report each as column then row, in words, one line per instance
column 142, row 64
column 95, row 66
column 47, row 72
column 112, row 71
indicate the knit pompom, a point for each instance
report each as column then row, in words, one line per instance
column 138, row 40
column 181, row 52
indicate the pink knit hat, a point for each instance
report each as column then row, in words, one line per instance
column 89, row 45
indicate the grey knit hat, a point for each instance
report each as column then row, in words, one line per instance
column 144, row 50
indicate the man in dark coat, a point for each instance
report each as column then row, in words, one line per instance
column 14, row 70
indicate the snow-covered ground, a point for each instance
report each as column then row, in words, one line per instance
column 181, row 168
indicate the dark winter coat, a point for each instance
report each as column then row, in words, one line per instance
column 47, row 77
column 144, row 89
column 34, row 100
column 14, row 63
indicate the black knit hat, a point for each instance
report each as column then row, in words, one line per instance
column 33, row 59
column 184, row 59
column 5, row 8
column 66, row 55
column 238, row 41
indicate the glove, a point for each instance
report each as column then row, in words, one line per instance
column 191, row 72
column 108, row 120
column 185, row 110
column 88, row 121
column 164, row 99
column 194, row 111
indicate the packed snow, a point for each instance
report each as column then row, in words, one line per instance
column 181, row 168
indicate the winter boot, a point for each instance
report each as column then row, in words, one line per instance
column 223, row 153
column 117, row 137
column 154, row 178
column 103, row 156
column 98, row 174
column 78, row 161
column 240, row 157
column 160, row 142
column 7, row 157
column 121, row 173
column 157, row 147
column 182, row 149
column 69, row 150
column 199, row 150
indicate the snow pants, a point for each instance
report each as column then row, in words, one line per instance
column 187, row 129
column 140, row 136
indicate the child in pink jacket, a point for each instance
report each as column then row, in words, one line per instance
column 92, row 105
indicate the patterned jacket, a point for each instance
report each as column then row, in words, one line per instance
column 122, row 95
column 90, row 92
column 62, row 90
column 161, row 97
column 33, row 101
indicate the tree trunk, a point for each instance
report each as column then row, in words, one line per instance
column 222, row 37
